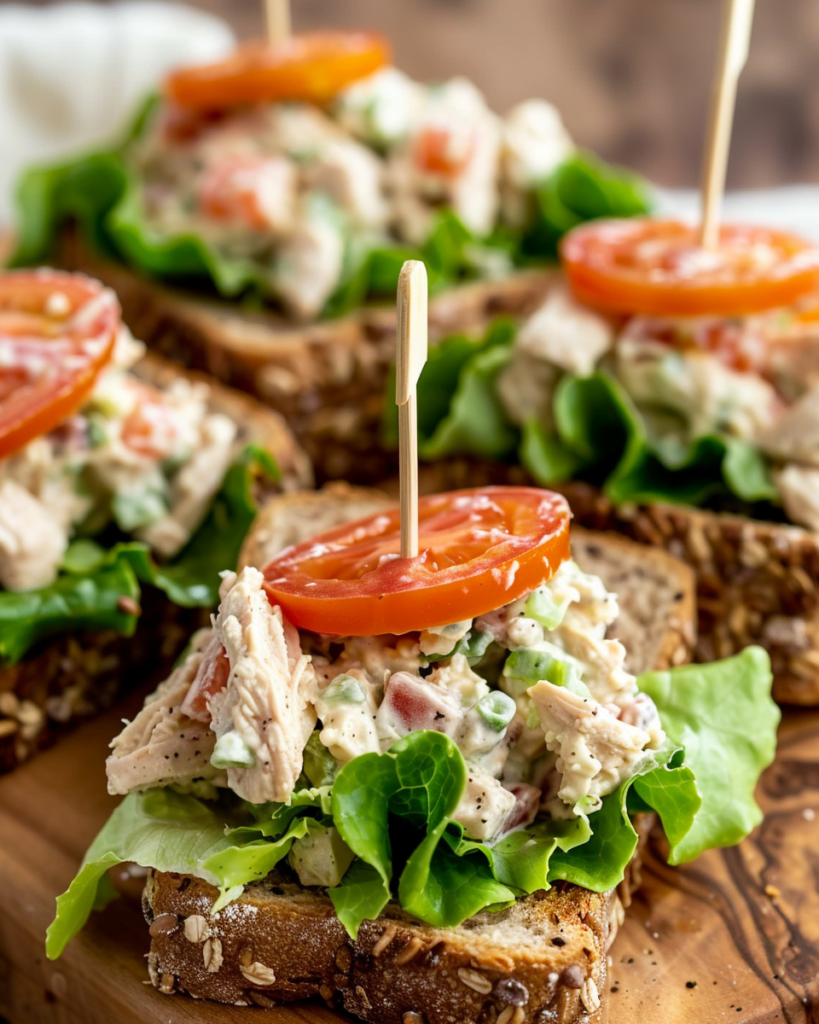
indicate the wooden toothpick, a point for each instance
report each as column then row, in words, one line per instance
column 737, row 17
column 277, row 18
column 410, row 358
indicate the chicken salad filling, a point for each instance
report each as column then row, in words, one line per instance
column 148, row 460
column 693, row 409
column 315, row 207
column 534, row 697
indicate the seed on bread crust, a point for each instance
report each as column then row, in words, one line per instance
column 165, row 924
column 167, row 984
column 511, row 991
column 259, row 974
column 589, row 996
column 212, row 955
column 410, row 950
column 384, row 940
column 572, row 977
column 511, row 1015
column 196, row 928
column 475, row 980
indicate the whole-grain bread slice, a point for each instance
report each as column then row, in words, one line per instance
column 328, row 377
column 75, row 676
column 756, row 582
column 542, row 959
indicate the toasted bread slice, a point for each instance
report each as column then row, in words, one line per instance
column 542, row 959
column 77, row 675
column 756, row 582
column 326, row 378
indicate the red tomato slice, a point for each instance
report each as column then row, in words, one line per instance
column 657, row 267
column 312, row 66
column 57, row 331
column 479, row 550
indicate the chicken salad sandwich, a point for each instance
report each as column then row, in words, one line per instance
column 411, row 786
column 255, row 221
column 662, row 373
column 113, row 477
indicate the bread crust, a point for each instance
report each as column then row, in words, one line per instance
column 76, row 676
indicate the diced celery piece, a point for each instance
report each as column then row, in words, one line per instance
column 231, row 751
column 344, row 689
column 549, row 664
column 542, row 607
column 497, row 709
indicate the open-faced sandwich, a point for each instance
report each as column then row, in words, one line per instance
column 683, row 384
column 414, row 787
column 125, row 488
column 294, row 182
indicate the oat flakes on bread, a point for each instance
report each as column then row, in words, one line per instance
column 73, row 677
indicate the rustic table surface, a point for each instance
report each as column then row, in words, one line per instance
column 732, row 937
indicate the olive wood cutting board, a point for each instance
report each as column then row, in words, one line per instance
column 732, row 937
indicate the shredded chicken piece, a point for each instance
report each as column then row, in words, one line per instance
column 603, row 663
column 799, row 487
column 162, row 745
column 32, row 541
column 566, row 334
column 270, row 693
column 794, row 435
column 595, row 750
column 194, row 487
column 484, row 806
column 351, row 174
column 309, row 265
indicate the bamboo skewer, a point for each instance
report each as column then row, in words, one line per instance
column 277, row 19
column 737, row 17
column 411, row 355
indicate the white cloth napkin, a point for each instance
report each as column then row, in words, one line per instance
column 72, row 74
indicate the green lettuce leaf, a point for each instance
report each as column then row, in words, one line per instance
column 600, row 436
column 168, row 831
column 459, row 412
column 88, row 593
column 93, row 600
column 582, row 188
column 420, row 780
column 723, row 715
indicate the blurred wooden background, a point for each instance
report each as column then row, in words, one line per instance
column 632, row 77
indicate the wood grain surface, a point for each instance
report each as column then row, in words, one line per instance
column 702, row 943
